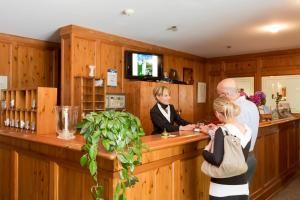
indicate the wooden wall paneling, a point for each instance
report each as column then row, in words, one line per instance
column 273, row 65
column 239, row 68
column 212, row 93
column 84, row 55
column 133, row 94
column 26, row 55
column 6, row 60
column 111, row 58
column 179, row 63
column 34, row 67
column 186, row 102
column 66, row 70
column 33, row 173
column 257, row 76
column 6, row 183
column 122, row 41
column 168, row 63
column 199, row 76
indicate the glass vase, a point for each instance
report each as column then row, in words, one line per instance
column 66, row 120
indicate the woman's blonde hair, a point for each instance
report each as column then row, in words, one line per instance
column 158, row 91
column 229, row 109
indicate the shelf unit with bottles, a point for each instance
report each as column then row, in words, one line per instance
column 90, row 95
column 29, row 109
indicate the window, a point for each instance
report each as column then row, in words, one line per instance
column 246, row 83
column 291, row 83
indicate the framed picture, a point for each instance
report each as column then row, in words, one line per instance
column 188, row 76
column 173, row 74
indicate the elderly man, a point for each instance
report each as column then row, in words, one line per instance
column 248, row 115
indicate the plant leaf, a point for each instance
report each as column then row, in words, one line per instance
column 122, row 158
column 93, row 167
column 118, row 188
column 83, row 160
column 106, row 144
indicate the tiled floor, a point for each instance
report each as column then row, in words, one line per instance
column 291, row 192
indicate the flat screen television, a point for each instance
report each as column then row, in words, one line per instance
column 143, row 66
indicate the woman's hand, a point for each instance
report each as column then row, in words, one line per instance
column 188, row 127
column 208, row 147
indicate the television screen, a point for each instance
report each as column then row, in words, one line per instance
column 140, row 65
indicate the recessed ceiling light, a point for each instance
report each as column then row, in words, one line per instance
column 128, row 12
column 275, row 28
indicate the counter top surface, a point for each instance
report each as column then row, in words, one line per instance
column 154, row 142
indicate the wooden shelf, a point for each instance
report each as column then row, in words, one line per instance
column 89, row 97
column 34, row 108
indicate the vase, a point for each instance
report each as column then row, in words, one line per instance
column 66, row 120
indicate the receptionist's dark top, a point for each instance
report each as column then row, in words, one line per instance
column 160, row 122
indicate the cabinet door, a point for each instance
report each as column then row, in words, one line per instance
column 186, row 102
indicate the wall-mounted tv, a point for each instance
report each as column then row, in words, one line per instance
column 144, row 66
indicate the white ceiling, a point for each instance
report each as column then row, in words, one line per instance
column 205, row 27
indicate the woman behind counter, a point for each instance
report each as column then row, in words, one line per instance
column 163, row 114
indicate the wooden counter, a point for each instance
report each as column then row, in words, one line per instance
column 38, row 167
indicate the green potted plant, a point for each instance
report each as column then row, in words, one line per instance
column 118, row 132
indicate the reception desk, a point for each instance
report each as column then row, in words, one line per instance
column 38, row 167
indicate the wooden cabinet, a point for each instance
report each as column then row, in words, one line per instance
column 185, row 102
column 90, row 95
column 139, row 100
column 29, row 109
column 276, row 152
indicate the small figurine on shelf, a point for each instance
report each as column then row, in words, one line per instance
column 12, row 103
column 3, row 104
column 92, row 70
column 33, row 126
column 22, row 124
column 12, row 123
column 6, row 122
column 33, row 104
column 17, row 123
column 166, row 77
column 27, row 125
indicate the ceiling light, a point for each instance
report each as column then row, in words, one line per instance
column 128, row 12
column 275, row 28
column 172, row 28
